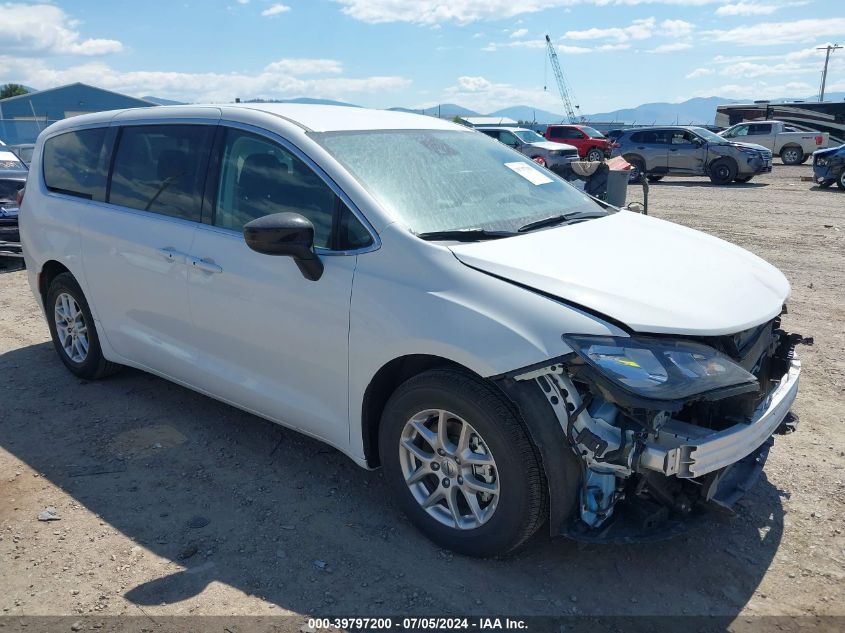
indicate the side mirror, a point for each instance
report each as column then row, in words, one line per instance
column 286, row 234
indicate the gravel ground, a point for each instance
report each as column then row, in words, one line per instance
column 171, row 503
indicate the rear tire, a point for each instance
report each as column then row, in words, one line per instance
column 841, row 180
column 792, row 155
column 469, row 522
column 653, row 178
column 637, row 169
column 722, row 171
column 73, row 330
column 742, row 179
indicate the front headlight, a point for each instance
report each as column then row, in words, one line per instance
column 659, row 369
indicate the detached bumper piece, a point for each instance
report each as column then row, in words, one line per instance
column 688, row 451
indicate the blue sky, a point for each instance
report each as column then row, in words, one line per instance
column 482, row 54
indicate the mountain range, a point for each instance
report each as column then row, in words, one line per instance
column 696, row 110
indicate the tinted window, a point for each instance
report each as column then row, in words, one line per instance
column 73, row 163
column 9, row 189
column 259, row 177
column 650, row 137
column 565, row 132
column 508, row 139
column 759, row 128
column 161, row 168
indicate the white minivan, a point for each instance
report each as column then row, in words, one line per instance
column 424, row 299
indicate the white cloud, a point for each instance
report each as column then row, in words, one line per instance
column 670, row 48
column 779, row 33
column 519, row 33
column 276, row 9
column 466, row 11
column 676, row 28
column 700, row 72
column 281, row 79
column 561, row 48
column 243, row 1
column 483, row 95
column 638, row 30
column 747, row 8
column 45, row 29
column 304, row 66
column 760, row 90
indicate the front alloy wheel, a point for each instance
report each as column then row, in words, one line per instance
column 460, row 464
column 595, row 155
column 449, row 469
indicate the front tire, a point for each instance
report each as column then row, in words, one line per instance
column 73, row 330
column 654, row 178
column 743, row 179
column 722, row 172
column 460, row 464
column 792, row 155
column 841, row 180
column 595, row 155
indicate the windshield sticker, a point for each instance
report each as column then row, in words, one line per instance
column 534, row 176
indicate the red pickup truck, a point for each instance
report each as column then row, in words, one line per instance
column 591, row 144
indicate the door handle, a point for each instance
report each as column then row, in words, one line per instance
column 206, row 267
column 171, row 254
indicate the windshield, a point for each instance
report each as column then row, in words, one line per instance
column 707, row 135
column 443, row 180
column 529, row 136
column 591, row 132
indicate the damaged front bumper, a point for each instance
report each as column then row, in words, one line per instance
column 645, row 469
column 688, row 451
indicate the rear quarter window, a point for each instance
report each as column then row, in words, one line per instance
column 73, row 163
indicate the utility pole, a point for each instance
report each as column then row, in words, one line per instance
column 829, row 50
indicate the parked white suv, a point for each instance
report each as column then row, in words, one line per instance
column 424, row 299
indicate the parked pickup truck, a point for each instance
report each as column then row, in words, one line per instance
column 792, row 145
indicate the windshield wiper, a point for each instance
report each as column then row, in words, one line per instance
column 559, row 219
column 465, row 235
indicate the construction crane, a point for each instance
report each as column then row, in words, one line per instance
column 562, row 86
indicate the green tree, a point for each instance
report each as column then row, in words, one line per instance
column 12, row 90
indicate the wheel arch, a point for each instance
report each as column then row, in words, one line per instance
column 381, row 387
column 49, row 271
column 721, row 158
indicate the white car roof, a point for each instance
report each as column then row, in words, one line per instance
column 331, row 118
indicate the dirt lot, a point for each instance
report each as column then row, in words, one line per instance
column 172, row 503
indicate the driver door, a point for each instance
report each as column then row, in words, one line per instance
column 268, row 339
column 686, row 152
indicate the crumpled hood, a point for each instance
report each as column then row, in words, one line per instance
column 830, row 151
column 759, row 148
column 552, row 146
column 651, row 275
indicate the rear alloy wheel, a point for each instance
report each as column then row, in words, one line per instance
column 636, row 171
column 595, row 155
column 722, row 172
column 73, row 331
column 792, row 155
column 460, row 463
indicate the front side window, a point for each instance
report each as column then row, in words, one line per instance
column 591, row 132
column 442, row 180
column 161, row 169
column 73, row 164
column 259, row 177
column 681, row 137
column 508, row 139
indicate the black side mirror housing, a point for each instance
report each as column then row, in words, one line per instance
column 286, row 234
